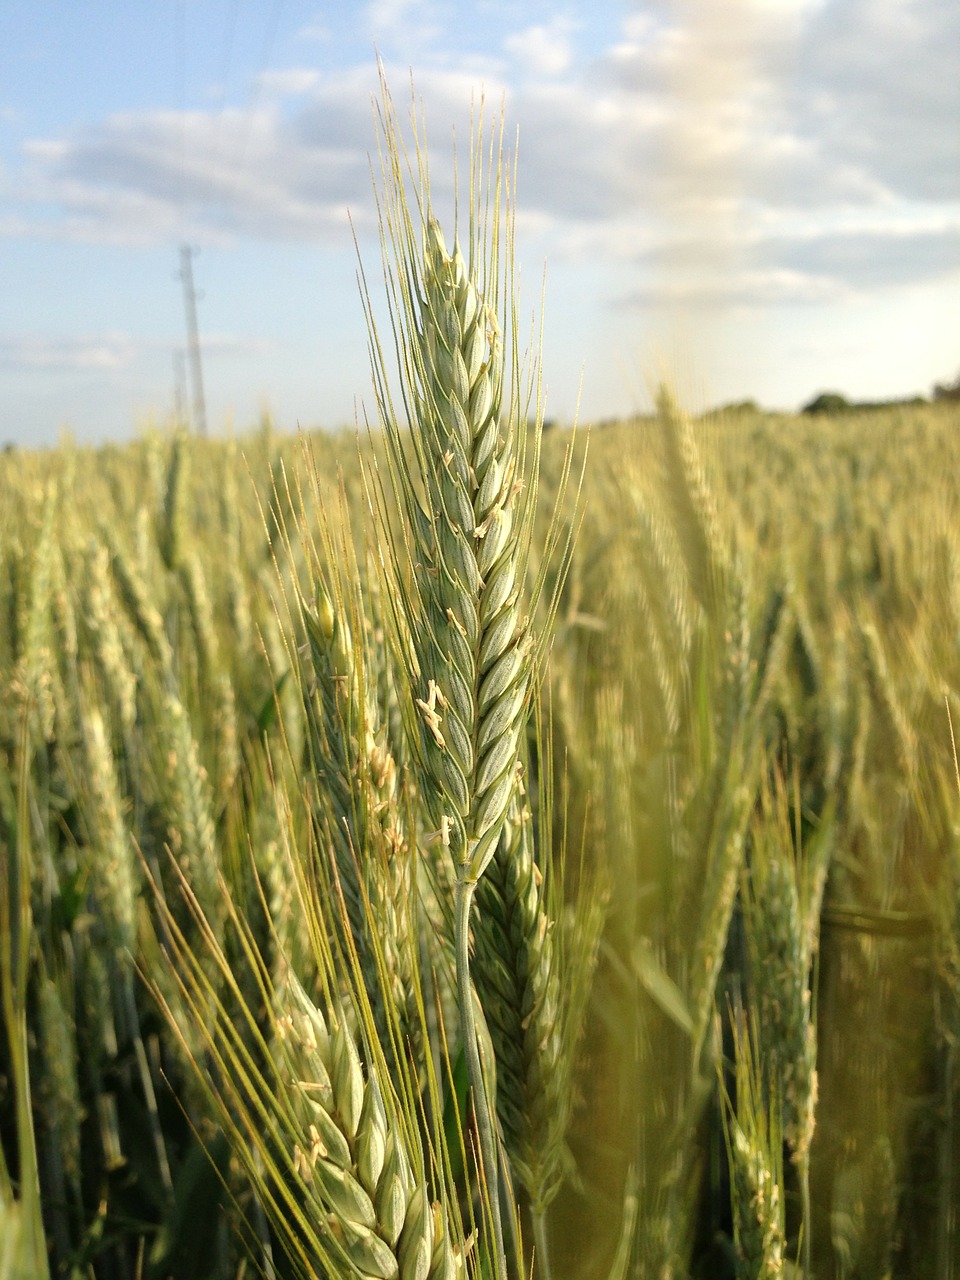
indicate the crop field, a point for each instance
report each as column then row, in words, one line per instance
column 473, row 850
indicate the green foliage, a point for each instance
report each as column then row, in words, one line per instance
column 828, row 402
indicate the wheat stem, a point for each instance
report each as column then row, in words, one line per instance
column 541, row 1245
column 463, row 900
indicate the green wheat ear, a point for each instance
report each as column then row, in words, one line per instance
column 463, row 607
column 463, row 476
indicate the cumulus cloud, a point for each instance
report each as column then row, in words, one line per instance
column 737, row 146
column 138, row 177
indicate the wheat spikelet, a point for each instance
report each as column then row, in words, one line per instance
column 782, row 896
column 335, row 1158
column 779, row 967
column 465, row 487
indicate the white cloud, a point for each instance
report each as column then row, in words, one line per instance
column 545, row 49
column 109, row 352
column 113, row 352
column 750, row 289
column 748, row 147
column 414, row 22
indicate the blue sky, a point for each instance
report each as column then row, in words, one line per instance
column 753, row 198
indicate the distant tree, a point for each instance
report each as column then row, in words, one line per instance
column 828, row 402
column 948, row 390
column 738, row 406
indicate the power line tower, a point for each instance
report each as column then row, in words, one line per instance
column 193, row 339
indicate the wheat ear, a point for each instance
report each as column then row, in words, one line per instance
column 359, row 802
column 754, row 1152
column 465, row 487
column 334, row 1155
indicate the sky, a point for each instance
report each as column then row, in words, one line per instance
column 752, row 199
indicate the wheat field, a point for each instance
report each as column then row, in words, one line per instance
column 464, row 849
